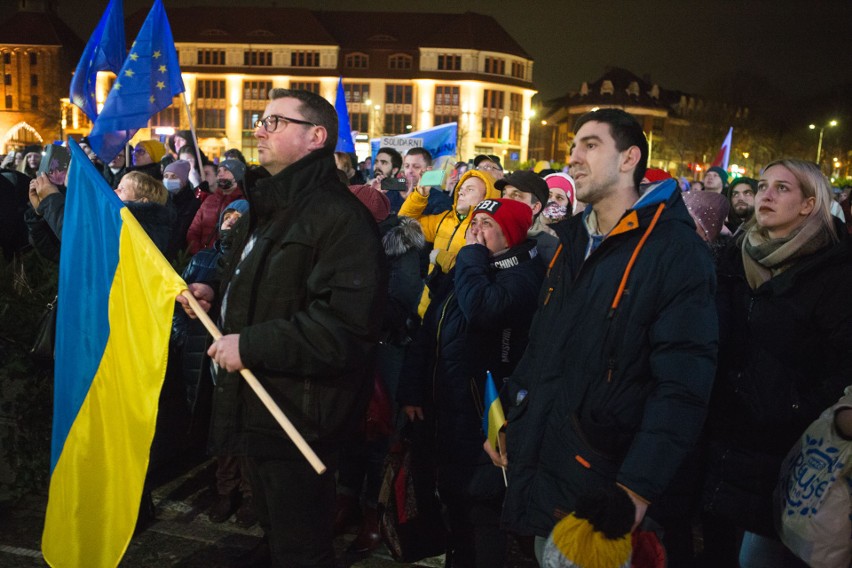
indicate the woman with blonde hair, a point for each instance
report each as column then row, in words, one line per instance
column 147, row 198
column 785, row 354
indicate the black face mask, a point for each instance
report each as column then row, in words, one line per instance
column 225, row 183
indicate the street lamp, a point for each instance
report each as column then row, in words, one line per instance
column 821, row 132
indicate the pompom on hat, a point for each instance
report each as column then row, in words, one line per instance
column 595, row 535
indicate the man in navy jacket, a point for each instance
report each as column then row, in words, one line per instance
column 614, row 384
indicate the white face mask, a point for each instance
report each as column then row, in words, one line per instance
column 172, row 185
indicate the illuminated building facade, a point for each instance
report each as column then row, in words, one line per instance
column 401, row 72
column 38, row 54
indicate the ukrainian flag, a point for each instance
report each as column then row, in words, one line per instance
column 116, row 298
column 493, row 418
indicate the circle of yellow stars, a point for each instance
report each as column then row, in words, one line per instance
column 130, row 72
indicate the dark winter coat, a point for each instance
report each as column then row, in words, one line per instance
column 156, row 219
column 45, row 224
column 186, row 206
column 306, row 303
column 14, row 201
column 154, row 170
column 402, row 240
column 785, row 355
column 613, row 387
column 190, row 340
column 113, row 179
column 477, row 323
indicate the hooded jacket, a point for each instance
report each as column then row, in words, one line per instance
column 478, row 322
column 614, row 384
column 446, row 230
column 204, row 228
column 306, row 303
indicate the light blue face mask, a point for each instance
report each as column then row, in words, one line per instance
column 172, row 185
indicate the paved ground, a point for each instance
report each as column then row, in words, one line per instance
column 182, row 536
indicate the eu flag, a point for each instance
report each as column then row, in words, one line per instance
column 145, row 85
column 104, row 52
column 344, row 131
column 117, row 297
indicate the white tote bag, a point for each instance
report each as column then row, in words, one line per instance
column 814, row 494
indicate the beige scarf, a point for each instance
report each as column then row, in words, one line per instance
column 765, row 258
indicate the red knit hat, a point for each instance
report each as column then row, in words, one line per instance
column 514, row 218
column 653, row 175
column 376, row 201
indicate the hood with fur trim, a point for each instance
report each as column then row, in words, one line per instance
column 400, row 235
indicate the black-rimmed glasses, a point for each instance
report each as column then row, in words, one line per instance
column 271, row 122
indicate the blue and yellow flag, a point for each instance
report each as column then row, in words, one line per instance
column 116, row 300
column 493, row 418
column 104, row 52
column 145, row 85
column 344, row 130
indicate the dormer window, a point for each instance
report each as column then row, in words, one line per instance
column 356, row 61
column 633, row 89
column 400, row 61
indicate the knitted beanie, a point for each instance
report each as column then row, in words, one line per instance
column 154, row 148
column 751, row 182
column 653, row 175
column 722, row 173
column 181, row 169
column 514, row 218
column 595, row 535
column 563, row 182
column 376, row 201
column 236, row 167
column 540, row 166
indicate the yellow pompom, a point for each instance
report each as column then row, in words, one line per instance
column 585, row 547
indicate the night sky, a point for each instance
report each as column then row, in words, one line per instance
column 792, row 48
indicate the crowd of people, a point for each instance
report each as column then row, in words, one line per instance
column 666, row 340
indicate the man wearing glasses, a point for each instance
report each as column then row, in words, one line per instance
column 298, row 304
column 489, row 164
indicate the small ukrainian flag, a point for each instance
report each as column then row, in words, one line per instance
column 493, row 418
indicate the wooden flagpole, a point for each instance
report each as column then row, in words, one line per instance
column 199, row 165
column 261, row 392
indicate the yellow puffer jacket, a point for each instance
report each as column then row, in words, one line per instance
column 445, row 230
